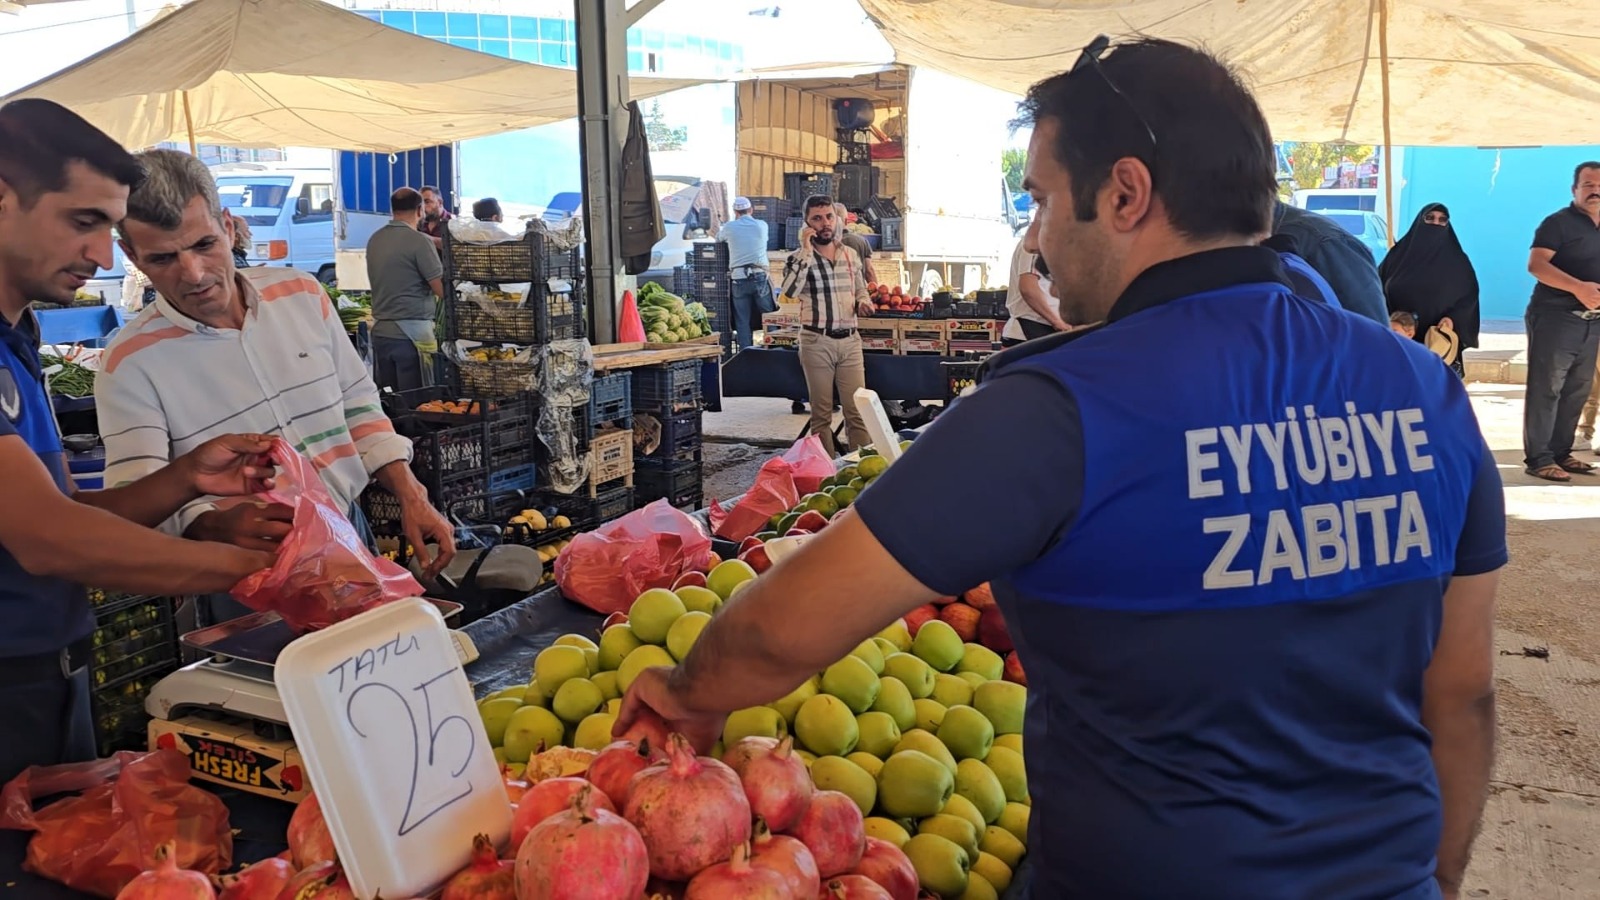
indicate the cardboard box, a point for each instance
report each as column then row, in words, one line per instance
column 231, row 753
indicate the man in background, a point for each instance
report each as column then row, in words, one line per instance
column 854, row 241
column 746, row 237
column 1344, row 262
column 435, row 218
column 1033, row 310
column 406, row 277
column 485, row 210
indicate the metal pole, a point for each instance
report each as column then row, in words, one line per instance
column 1388, row 146
column 602, row 58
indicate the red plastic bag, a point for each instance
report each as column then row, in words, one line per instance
column 607, row 569
column 130, row 804
column 810, row 462
column 324, row 572
column 774, row 492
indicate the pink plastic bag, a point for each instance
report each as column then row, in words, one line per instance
column 129, row 805
column 810, row 462
column 607, row 569
column 324, row 572
column 774, row 492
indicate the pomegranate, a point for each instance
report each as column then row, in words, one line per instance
column 740, row 753
column 646, row 724
column 888, row 865
column 616, row 765
column 583, row 853
column 309, row 840
column 788, row 857
column 166, row 881
column 515, row 787
column 664, row 890
column 691, row 811
column 776, row 783
column 487, row 877
column 549, row 797
column 856, row 887
column 263, row 881
column 833, row 830
column 737, row 878
column 992, row 631
column 323, row 881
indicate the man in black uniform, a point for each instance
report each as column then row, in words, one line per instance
column 63, row 184
column 1563, row 321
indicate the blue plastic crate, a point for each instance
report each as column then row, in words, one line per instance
column 517, row 478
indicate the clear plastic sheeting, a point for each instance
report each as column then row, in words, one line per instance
column 508, row 640
column 568, row 466
column 566, row 372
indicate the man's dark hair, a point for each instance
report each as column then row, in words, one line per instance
column 1577, row 173
column 816, row 200
column 405, row 200
column 38, row 139
column 1212, row 161
column 485, row 209
column 430, row 189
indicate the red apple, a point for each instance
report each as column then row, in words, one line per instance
column 757, row 558
column 687, row 579
column 712, row 560
column 920, row 616
column 888, row 866
column 1013, row 670
column 747, row 543
column 943, row 601
column 811, row 521
column 963, row 618
column 616, row 618
column 992, row 631
column 980, row 598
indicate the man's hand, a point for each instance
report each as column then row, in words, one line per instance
column 1589, row 295
column 229, row 466
column 805, row 249
column 421, row 522
column 652, row 690
column 253, row 526
column 865, row 308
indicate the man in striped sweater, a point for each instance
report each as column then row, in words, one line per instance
column 224, row 350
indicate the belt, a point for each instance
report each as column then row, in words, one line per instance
column 1587, row 315
column 835, row 333
column 735, row 270
column 45, row 666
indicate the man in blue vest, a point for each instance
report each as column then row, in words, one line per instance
column 1252, row 587
column 62, row 186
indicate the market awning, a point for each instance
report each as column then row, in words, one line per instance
column 1464, row 73
column 278, row 73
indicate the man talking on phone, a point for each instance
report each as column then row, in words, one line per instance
column 830, row 282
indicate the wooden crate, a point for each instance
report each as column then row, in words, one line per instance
column 610, row 459
column 879, row 337
column 891, row 270
column 923, row 337
column 782, row 341
column 972, row 334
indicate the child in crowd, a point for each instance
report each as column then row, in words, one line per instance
column 1404, row 323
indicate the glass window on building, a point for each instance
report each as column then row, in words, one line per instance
column 635, row 61
column 635, row 39
column 524, row 28
column 496, row 48
column 468, row 43
column 655, row 40
column 525, row 51
column 553, row 54
column 430, row 24
column 462, row 25
column 403, row 19
column 493, row 27
column 553, row 30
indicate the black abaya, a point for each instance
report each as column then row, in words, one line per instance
column 1428, row 275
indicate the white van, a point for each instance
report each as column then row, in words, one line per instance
column 289, row 210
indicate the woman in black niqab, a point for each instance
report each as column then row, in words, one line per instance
column 1428, row 275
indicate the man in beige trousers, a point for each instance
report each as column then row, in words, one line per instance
column 830, row 282
column 1586, row 424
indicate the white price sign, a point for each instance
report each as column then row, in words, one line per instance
column 397, row 754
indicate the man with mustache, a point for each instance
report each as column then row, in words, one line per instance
column 62, row 186
column 1563, row 320
column 259, row 349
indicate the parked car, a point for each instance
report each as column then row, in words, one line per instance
column 289, row 211
column 1368, row 227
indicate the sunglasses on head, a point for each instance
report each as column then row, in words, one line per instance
column 1090, row 59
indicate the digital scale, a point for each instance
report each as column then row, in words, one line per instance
column 224, row 712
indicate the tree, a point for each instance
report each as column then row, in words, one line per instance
column 1308, row 161
column 1012, row 161
column 659, row 134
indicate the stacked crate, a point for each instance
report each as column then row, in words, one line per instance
column 134, row 645
column 923, row 337
column 782, row 328
column 975, row 335
column 668, row 455
column 611, row 446
column 714, row 287
column 774, row 211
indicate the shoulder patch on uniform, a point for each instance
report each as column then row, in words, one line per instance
column 10, row 396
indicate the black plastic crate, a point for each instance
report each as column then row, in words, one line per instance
column 959, row 375
column 678, row 483
column 133, row 640
column 450, row 462
column 382, row 511
column 683, row 281
column 853, row 151
column 878, row 209
column 611, row 400
column 667, row 389
column 709, row 290
column 585, row 513
column 539, row 319
column 793, row 184
column 405, row 408
column 791, row 232
column 120, row 720
column 893, row 233
column 681, row 438
column 798, row 186
column 709, row 255
column 531, row 259
column 857, row 185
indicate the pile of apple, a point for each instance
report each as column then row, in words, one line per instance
column 889, row 298
column 975, row 617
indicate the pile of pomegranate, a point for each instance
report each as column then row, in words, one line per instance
column 649, row 819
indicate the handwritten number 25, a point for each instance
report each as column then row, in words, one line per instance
column 434, row 732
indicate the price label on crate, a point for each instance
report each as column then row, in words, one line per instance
column 385, row 720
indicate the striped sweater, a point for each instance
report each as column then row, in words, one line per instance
column 168, row 384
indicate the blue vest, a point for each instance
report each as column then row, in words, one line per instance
column 1270, row 512
column 38, row 614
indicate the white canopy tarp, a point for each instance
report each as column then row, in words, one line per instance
column 1462, row 72
column 304, row 73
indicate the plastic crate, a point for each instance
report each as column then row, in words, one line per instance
column 878, row 209
column 667, row 389
column 798, row 190
column 133, row 639
column 710, row 255
column 791, row 232
column 610, row 460
column 120, row 720
column 545, row 317
column 852, row 151
column 959, row 375
column 611, row 400
column 516, row 478
column 681, row 438
column 450, row 462
column 683, row 281
column 678, row 483
column 893, row 234
column 531, row 259
column 401, row 406
column 856, row 185
column 498, row 380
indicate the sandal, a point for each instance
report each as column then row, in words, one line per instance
column 1576, row 467
column 1551, row 472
